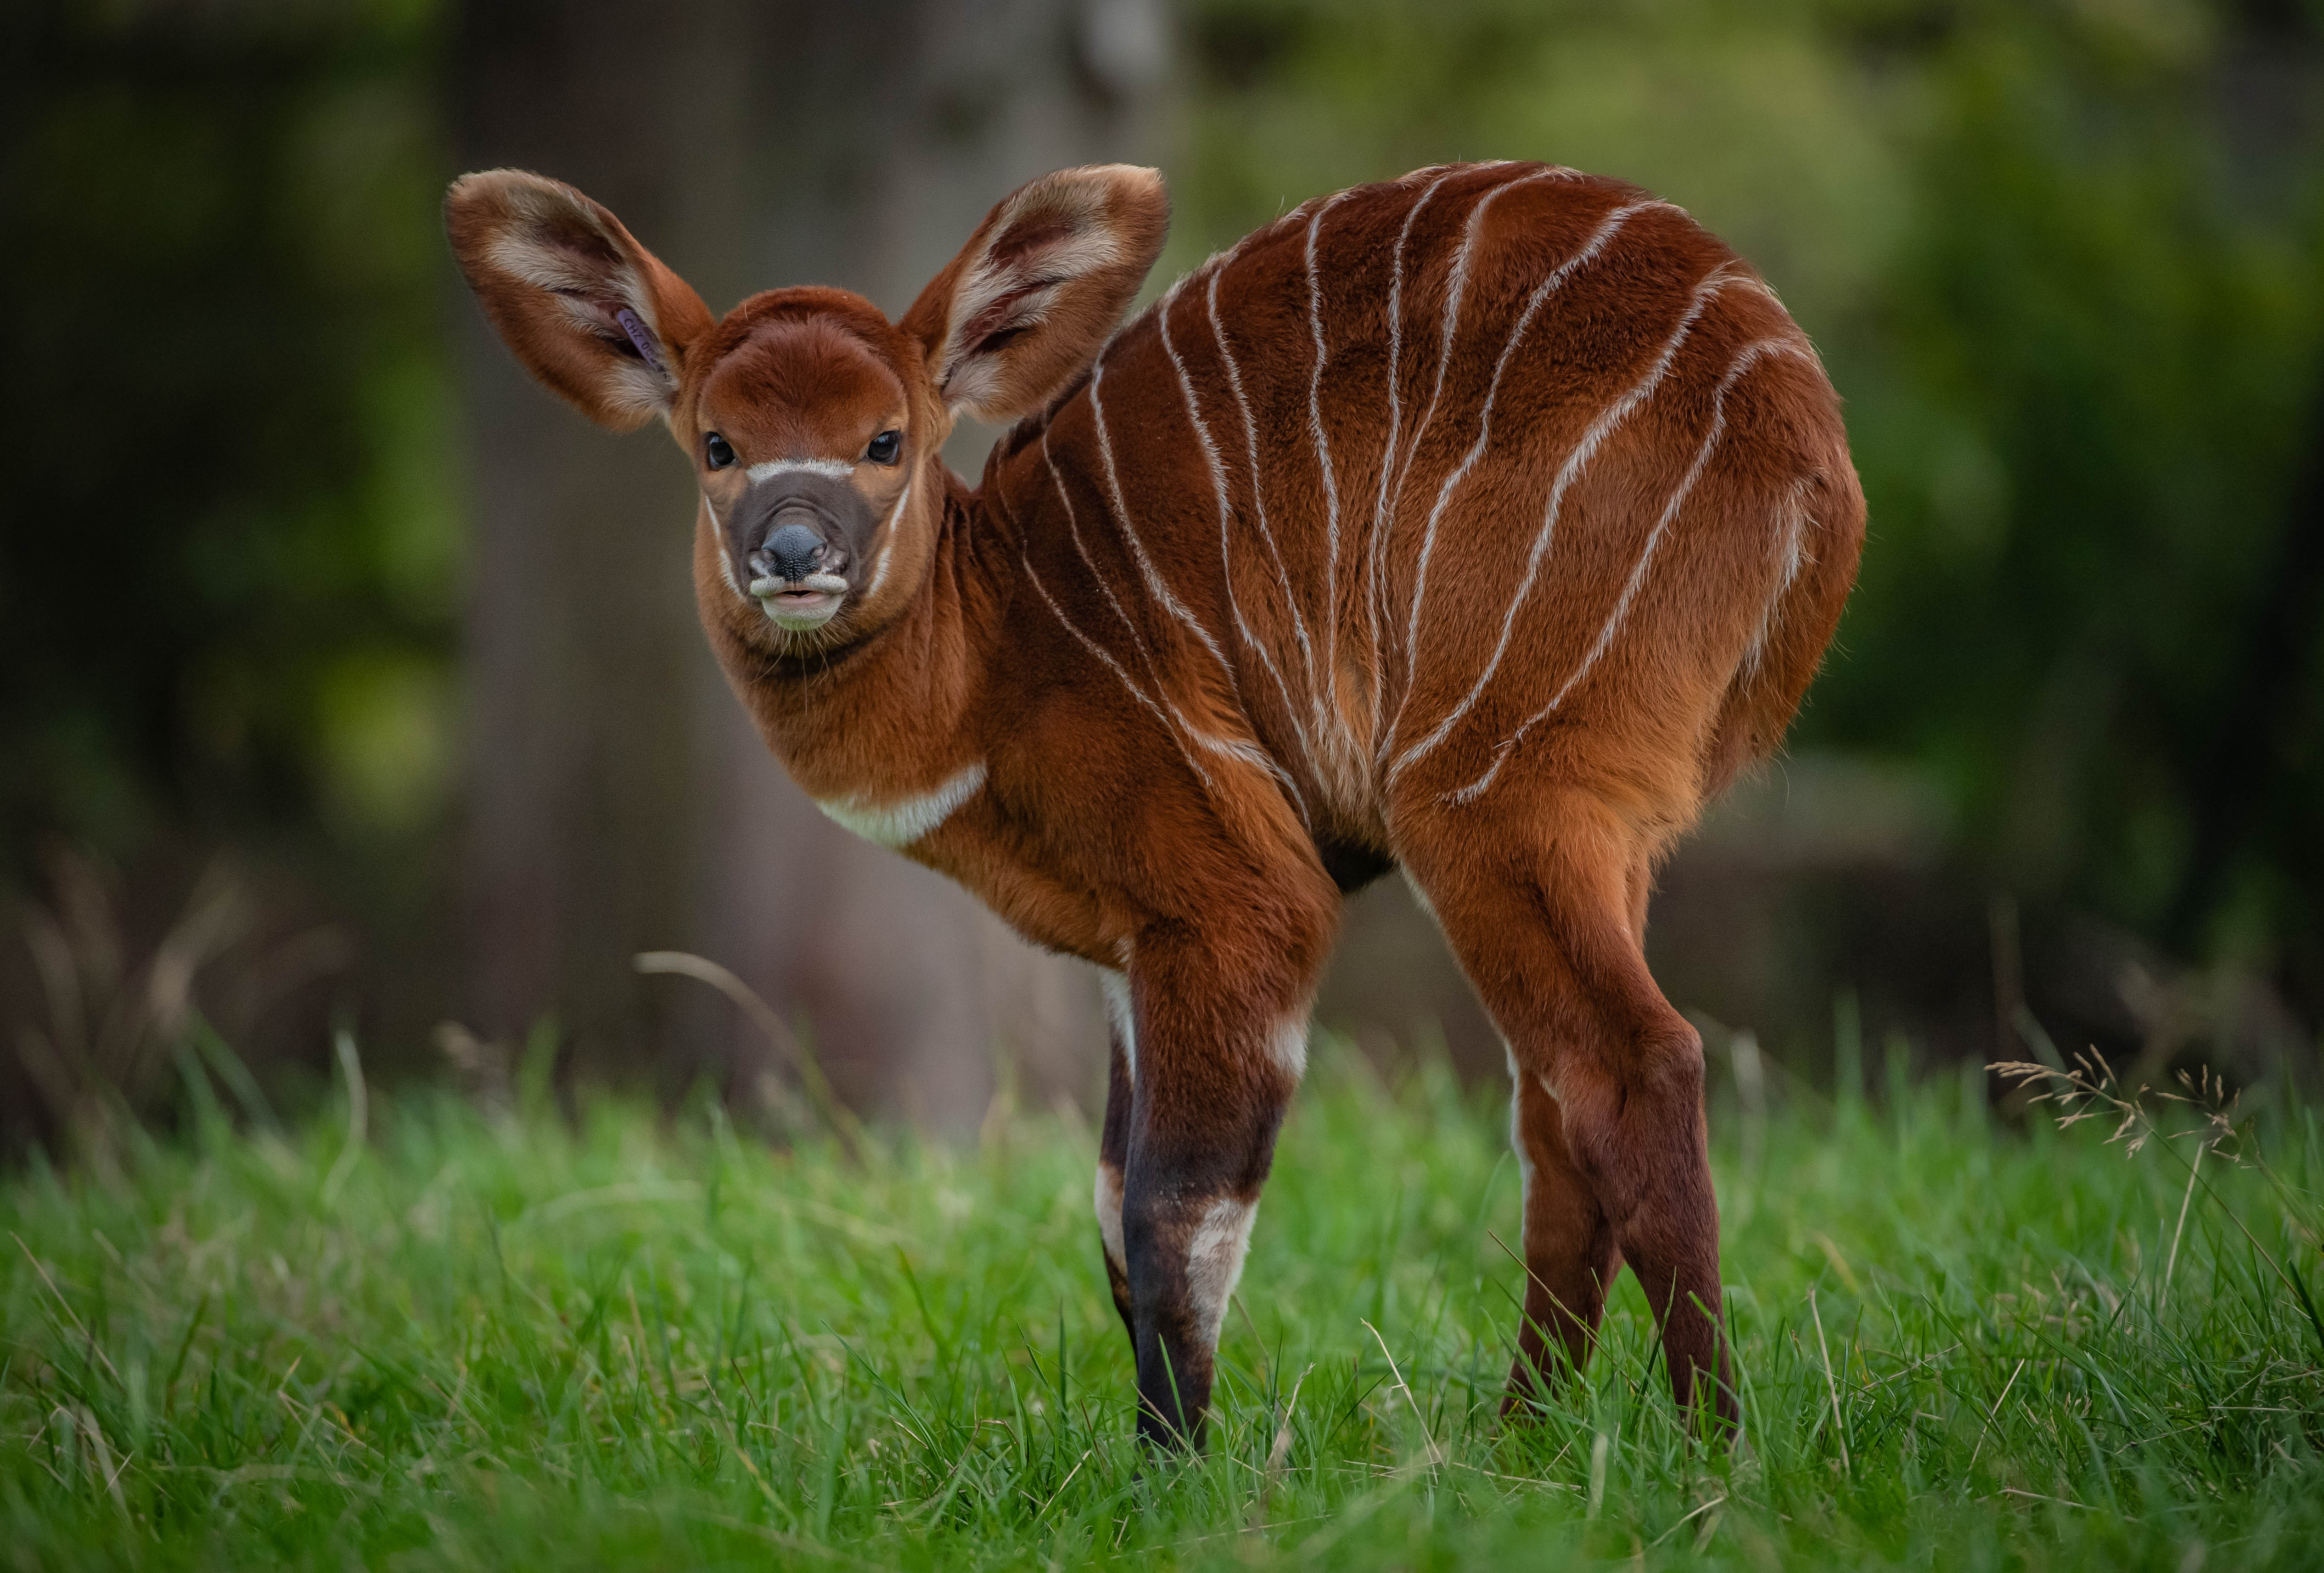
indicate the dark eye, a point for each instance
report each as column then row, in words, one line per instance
column 720, row 452
column 884, row 448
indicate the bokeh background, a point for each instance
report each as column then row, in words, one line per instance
column 347, row 681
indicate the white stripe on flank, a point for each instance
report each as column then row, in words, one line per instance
column 1154, row 582
column 1105, row 588
column 1323, row 463
column 839, row 469
column 1791, row 545
column 1745, row 359
column 1172, row 720
column 900, row 824
column 888, row 537
column 1226, row 568
column 1086, row 642
column 1258, row 494
column 1456, row 286
column 1612, row 416
column 1606, row 228
column 1380, row 519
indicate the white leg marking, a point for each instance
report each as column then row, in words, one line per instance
column 1106, row 1200
column 1380, row 517
column 1607, row 230
column 1226, row 568
column 1420, row 898
column 1154, row 582
column 900, row 824
column 1608, row 419
column 1287, row 1047
column 1745, row 359
column 838, row 469
column 1215, row 1262
column 1516, row 1137
column 1121, row 1012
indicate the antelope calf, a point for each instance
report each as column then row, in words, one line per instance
column 1482, row 524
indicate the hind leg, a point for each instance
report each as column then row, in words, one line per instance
column 1542, row 897
column 1569, row 1254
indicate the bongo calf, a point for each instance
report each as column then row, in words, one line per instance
column 1482, row 524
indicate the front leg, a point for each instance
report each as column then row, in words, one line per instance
column 1114, row 1143
column 1213, row 1062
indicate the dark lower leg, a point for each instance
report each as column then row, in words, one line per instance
column 1548, row 925
column 1657, row 1186
column 1569, row 1254
column 1191, row 1195
column 1113, row 1162
column 1219, row 1042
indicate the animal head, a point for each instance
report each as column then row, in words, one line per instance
column 815, row 424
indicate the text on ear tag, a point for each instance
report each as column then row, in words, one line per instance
column 649, row 351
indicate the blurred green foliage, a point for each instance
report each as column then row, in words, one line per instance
column 2065, row 262
column 2065, row 259
column 227, row 581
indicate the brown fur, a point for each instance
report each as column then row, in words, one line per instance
column 1194, row 673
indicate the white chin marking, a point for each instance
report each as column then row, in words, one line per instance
column 1214, row 1261
column 800, row 614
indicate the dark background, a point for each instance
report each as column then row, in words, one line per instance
column 349, row 681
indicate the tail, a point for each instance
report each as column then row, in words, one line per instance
column 1818, row 529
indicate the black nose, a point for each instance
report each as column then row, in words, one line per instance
column 790, row 552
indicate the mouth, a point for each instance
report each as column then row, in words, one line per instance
column 800, row 605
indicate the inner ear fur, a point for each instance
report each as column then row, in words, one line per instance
column 590, row 313
column 1033, row 295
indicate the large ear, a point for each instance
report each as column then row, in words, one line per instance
column 588, row 310
column 1032, row 296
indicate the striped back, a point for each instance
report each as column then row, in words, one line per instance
column 1493, row 462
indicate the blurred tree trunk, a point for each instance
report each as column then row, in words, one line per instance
column 619, row 800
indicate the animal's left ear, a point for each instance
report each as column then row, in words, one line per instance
column 1034, row 293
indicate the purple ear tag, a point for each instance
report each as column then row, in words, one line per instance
column 642, row 338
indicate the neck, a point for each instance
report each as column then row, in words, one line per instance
column 891, row 716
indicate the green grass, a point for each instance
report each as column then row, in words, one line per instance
column 637, row 1342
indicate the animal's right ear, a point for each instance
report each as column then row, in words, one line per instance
column 589, row 311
